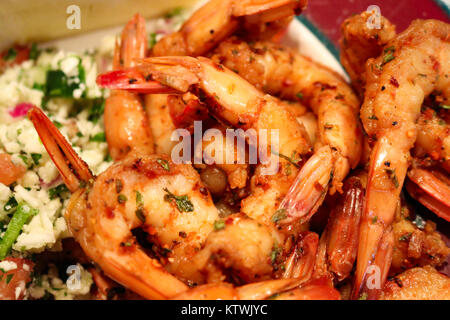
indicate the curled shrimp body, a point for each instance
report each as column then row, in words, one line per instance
column 166, row 201
column 126, row 124
column 432, row 146
column 395, row 91
column 282, row 72
column 218, row 19
column 210, row 24
column 281, row 289
column 239, row 249
column 236, row 102
column 360, row 41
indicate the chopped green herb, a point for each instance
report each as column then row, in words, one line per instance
column 444, row 107
column 96, row 109
column 121, row 198
column 57, row 84
column 299, row 95
column 108, row 158
column 328, row 126
column 419, row 222
column 375, row 219
column 363, row 296
column 24, row 158
column 140, row 214
column 9, row 277
column 174, row 12
column 20, row 217
column 279, row 215
column 57, row 124
column 99, row 137
column 57, row 191
column 219, row 225
column 274, row 254
column 405, row 237
column 39, row 86
column 393, row 177
column 36, row 157
column 164, row 163
column 34, row 52
column 183, row 203
column 79, row 134
column 139, row 199
column 373, row 117
column 151, row 40
column 10, row 54
column 291, row 160
column 388, row 55
column 11, row 204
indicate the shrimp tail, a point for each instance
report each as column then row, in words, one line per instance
column 430, row 190
column 309, row 188
column 73, row 169
column 343, row 226
column 374, row 278
column 300, row 264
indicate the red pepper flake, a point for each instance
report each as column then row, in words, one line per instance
column 229, row 221
column 109, row 213
column 318, row 186
column 394, row 82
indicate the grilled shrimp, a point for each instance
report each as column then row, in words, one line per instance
column 151, row 225
column 417, row 243
column 282, row 72
column 126, row 124
column 412, row 66
column 418, row 284
column 210, row 24
column 360, row 41
column 236, row 102
column 218, row 19
column 432, row 146
column 281, row 289
column 165, row 200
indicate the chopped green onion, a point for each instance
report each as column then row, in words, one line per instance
column 19, row 219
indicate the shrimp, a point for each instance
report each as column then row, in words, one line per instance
column 432, row 189
column 240, row 249
column 218, row 19
column 343, row 229
column 285, row 73
column 417, row 243
column 210, row 24
column 126, row 124
column 281, row 289
column 360, row 41
column 418, row 284
column 165, row 200
column 236, row 102
column 395, row 91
